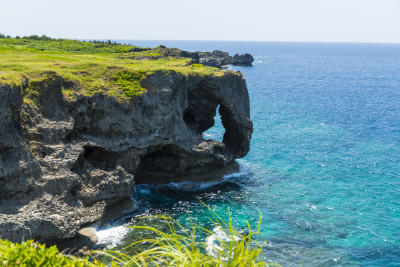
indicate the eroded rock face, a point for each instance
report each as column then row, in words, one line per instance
column 243, row 60
column 63, row 163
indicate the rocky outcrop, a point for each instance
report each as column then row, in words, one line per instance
column 242, row 60
column 219, row 58
column 64, row 163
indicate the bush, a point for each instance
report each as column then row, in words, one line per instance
column 34, row 254
column 174, row 246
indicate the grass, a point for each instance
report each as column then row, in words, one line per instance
column 172, row 245
column 112, row 69
column 175, row 245
column 45, row 43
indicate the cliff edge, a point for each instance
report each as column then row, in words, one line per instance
column 67, row 158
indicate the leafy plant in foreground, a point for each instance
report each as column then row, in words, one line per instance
column 173, row 245
column 179, row 246
column 34, row 254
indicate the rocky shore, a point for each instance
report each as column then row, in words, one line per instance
column 68, row 163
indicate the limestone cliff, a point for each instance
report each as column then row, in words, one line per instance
column 65, row 162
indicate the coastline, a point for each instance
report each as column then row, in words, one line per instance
column 85, row 150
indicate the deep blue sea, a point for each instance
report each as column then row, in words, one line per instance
column 324, row 164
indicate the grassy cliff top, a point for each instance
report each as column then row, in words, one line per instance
column 106, row 67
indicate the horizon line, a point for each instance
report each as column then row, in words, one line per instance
column 252, row 41
column 208, row 40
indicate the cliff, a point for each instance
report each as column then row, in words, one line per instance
column 71, row 155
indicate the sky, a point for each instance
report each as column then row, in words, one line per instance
column 235, row 20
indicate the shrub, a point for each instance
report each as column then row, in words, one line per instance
column 34, row 254
column 170, row 244
column 129, row 81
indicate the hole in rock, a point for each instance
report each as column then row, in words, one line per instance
column 199, row 117
column 217, row 131
column 213, row 120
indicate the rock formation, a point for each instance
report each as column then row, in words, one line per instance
column 216, row 59
column 65, row 163
column 219, row 58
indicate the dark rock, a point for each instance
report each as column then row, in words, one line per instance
column 85, row 239
column 243, row 60
column 65, row 163
column 219, row 59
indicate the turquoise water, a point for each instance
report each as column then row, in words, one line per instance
column 324, row 164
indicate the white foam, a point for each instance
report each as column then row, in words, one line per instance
column 218, row 236
column 111, row 236
column 243, row 170
column 208, row 135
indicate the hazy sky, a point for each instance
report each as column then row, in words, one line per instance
column 250, row 20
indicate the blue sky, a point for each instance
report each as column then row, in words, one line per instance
column 251, row 20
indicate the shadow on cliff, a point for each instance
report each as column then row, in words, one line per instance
column 179, row 198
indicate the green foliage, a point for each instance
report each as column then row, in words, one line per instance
column 129, row 81
column 32, row 254
column 178, row 246
column 37, row 37
column 167, row 244
column 93, row 67
column 128, row 49
column 197, row 65
column 32, row 91
column 45, row 43
column 32, row 94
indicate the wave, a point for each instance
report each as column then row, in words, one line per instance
column 244, row 170
column 218, row 236
column 111, row 236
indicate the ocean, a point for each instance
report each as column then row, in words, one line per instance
column 324, row 164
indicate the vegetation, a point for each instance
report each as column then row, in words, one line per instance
column 34, row 254
column 44, row 43
column 179, row 246
column 87, row 68
column 175, row 245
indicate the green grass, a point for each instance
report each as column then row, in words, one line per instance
column 66, row 45
column 168, row 244
column 112, row 69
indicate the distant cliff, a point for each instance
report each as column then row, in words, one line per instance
column 216, row 58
